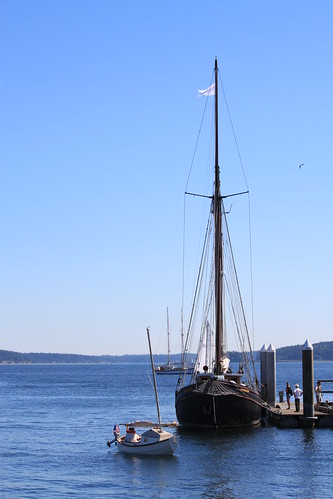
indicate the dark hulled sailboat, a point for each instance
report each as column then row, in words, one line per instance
column 216, row 397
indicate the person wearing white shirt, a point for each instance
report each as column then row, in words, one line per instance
column 297, row 394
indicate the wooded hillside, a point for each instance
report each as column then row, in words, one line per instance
column 321, row 351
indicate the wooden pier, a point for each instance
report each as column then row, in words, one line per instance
column 283, row 417
column 310, row 414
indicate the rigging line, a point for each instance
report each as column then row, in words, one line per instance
column 205, row 225
column 196, row 289
column 234, row 296
column 207, row 303
column 201, row 279
column 251, row 270
column 234, row 303
column 238, row 326
column 250, row 242
column 196, row 144
column 198, row 136
column 188, row 178
column 183, row 283
column 241, row 301
column 233, row 132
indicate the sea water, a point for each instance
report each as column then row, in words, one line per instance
column 55, row 421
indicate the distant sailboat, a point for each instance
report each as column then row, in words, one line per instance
column 216, row 397
column 172, row 367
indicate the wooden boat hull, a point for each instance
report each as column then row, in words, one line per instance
column 218, row 405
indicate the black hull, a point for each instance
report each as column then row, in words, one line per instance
column 218, row 405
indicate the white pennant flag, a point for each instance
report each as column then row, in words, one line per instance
column 209, row 91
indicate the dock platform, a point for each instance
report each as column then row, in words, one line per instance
column 283, row 417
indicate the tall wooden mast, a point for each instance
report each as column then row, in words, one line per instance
column 218, row 243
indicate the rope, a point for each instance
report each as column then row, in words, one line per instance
column 198, row 136
column 236, row 283
column 233, row 132
column 249, row 205
column 184, row 214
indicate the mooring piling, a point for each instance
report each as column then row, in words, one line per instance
column 308, row 379
column 271, row 375
column 263, row 372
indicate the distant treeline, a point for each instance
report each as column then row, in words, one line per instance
column 321, row 351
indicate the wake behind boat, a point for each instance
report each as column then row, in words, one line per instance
column 216, row 397
column 154, row 441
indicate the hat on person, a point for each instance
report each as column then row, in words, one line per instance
column 296, row 386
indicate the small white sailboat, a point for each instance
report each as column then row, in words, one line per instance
column 173, row 367
column 153, row 442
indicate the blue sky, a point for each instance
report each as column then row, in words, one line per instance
column 99, row 118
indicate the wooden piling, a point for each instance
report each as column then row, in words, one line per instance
column 263, row 372
column 308, row 379
column 271, row 375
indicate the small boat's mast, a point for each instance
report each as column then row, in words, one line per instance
column 218, row 243
column 154, row 377
column 168, row 330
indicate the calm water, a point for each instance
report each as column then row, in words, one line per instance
column 55, row 421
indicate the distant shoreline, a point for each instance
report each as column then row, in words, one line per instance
column 322, row 351
column 109, row 363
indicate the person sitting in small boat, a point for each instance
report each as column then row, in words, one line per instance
column 131, row 435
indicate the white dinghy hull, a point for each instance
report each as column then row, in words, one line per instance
column 153, row 442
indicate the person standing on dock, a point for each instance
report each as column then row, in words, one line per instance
column 318, row 392
column 297, row 394
column 289, row 392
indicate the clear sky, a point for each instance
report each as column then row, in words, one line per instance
column 99, row 118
